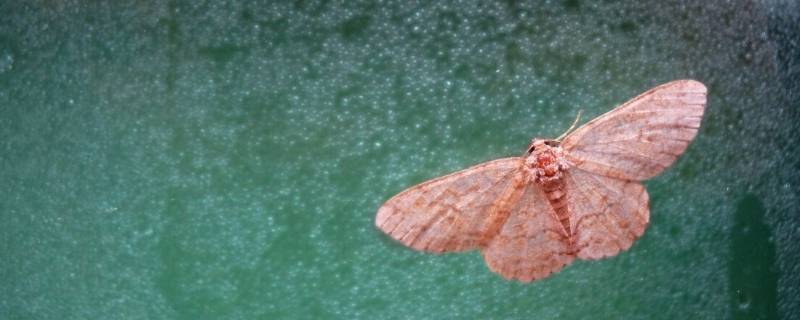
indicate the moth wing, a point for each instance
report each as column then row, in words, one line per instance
column 531, row 244
column 453, row 212
column 640, row 138
column 606, row 214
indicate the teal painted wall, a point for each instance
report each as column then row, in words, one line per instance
column 224, row 160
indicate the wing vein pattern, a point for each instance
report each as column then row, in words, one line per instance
column 642, row 137
column 455, row 212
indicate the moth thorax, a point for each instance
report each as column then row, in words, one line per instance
column 545, row 162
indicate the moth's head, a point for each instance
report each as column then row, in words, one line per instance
column 538, row 146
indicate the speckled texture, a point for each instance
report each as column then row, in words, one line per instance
column 225, row 160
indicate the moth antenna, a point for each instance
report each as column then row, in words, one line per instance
column 577, row 118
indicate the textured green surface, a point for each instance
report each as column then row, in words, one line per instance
column 225, row 160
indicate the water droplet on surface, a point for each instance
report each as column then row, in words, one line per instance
column 6, row 62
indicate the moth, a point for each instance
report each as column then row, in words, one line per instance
column 575, row 196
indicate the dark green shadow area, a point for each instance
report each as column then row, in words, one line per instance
column 753, row 279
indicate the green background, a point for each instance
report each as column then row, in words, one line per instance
column 225, row 160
